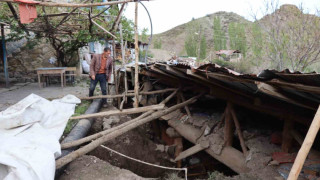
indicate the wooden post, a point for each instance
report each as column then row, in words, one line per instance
column 5, row 62
column 238, row 128
column 114, row 67
column 136, row 44
column 305, row 148
column 286, row 135
column 228, row 128
column 123, row 63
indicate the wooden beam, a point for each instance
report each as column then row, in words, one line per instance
column 136, row 72
column 101, row 12
column 229, row 156
column 125, row 81
column 130, row 94
column 305, row 148
column 118, row 112
column 118, row 18
column 238, row 128
column 103, row 29
column 194, row 149
column 100, row 134
column 228, row 128
column 52, row 4
column 91, row 146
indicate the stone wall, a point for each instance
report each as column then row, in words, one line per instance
column 22, row 64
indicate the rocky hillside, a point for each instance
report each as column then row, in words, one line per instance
column 173, row 39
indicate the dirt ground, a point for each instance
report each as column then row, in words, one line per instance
column 19, row 91
column 137, row 144
column 91, row 167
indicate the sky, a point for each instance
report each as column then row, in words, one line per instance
column 167, row 14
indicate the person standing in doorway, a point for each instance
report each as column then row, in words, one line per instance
column 100, row 71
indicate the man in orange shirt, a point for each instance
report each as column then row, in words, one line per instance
column 100, row 71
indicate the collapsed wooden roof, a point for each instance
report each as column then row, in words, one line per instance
column 286, row 95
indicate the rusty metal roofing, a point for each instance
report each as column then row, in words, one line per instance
column 295, row 90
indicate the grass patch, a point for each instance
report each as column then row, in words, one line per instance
column 80, row 109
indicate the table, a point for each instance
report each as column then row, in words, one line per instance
column 55, row 70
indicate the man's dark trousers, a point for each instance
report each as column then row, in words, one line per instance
column 102, row 79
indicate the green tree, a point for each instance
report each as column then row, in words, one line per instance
column 292, row 38
column 144, row 36
column 219, row 36
column 237, row 37
column 191, row 43
column 257, row 45
column 66, row 34
column 203, row 47
column 157, row 44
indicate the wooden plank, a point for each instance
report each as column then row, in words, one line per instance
column 129, row 94
column 91, row 146
column 118, row 112
column 305, row 148
column 100, row 134
column 194, row 149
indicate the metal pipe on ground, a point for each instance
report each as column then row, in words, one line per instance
column 80, row 130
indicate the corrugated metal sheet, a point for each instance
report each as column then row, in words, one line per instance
column 298, row 91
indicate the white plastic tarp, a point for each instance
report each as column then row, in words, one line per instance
column 29, row 136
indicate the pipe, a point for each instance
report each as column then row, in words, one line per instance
column 145, row 57
column 82, row 127
column 79, row 131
